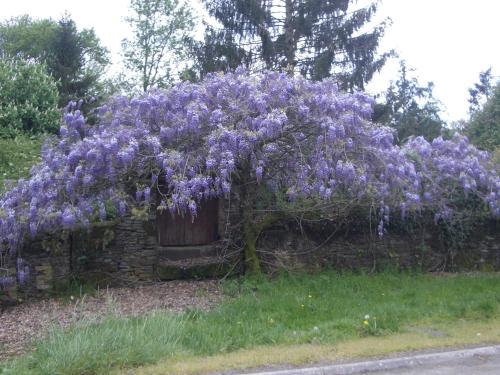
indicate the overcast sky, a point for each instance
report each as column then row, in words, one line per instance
column 446, row 41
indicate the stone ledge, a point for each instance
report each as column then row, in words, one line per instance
column 198, row 268
column 186, row 252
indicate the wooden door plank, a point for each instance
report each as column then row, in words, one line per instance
column 178, row 230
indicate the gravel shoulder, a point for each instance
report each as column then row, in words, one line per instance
column 21, row 324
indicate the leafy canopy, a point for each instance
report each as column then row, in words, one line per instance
column 75, row 59
column 162, row 31
column 28, row 99
column 484, row 126
column 481, row 91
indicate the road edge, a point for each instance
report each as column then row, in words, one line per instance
column 386, row 364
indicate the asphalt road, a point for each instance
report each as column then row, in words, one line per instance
column 477, row 365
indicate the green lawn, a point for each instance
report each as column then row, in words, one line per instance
column 322, row 310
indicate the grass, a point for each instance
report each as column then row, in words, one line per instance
column 459, row 334
column 291, row 313
column 17, row 156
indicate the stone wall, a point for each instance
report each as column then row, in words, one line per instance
column 290, row 246
column 116, row 253
column 49, row 264
column 127, row 252
column 124, row 252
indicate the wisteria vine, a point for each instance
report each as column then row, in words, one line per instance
column 173, row 149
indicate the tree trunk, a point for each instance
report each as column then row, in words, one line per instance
column 252, row 262
column 250, row 234
column 289, row 38
column 253, row 225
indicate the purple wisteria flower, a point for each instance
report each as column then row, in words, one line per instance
column 194, row 141
column 7, row 282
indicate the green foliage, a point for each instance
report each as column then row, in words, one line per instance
column 317, row 39
column 28, row 99
column 324, row 308
column 17, row 156
column 26, row 38
column 410, row 108
column 481, row 91
column 484, row 127
column 77, row 61
column 162, row 30
column 74, row 58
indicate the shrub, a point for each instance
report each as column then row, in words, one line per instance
column 28, row 99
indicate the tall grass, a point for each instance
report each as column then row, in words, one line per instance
column 95, row 348
column 322, row 308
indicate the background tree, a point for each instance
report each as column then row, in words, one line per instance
column 25, row 38
column 77, row 61
column 162, row 32
column 28, row 100
column 74, row 58
column 410, row 108
column 481, row 91
column 484, row 127
column 318, row 39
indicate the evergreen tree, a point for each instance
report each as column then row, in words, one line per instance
column 316, row 38
column 410, row 108
column 65, row 61
column 77, row 61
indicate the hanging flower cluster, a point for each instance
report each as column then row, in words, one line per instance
column 446, row 169
column 188, row 143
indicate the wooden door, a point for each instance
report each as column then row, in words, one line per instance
column 177, row 230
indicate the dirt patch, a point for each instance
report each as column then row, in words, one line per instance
column 20, row 324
